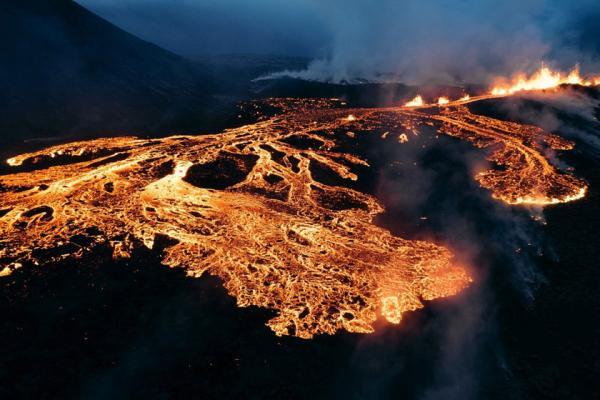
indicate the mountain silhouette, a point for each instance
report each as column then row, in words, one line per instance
column 71, row 71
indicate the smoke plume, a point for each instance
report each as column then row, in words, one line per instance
column 448, row 41
column 570, row 113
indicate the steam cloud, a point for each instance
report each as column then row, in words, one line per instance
column 500, row 241
column 549, row 112
column 448, row 41
column 436, row 41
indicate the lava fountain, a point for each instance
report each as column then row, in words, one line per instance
column 542, row 79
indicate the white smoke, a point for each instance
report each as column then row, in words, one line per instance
column 438, row 41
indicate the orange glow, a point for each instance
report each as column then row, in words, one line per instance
column 526, row 176
column 245, row 206
column 443, row 100
column 544, row 78
column 241, row 205
column 13, row 162
column 390, row 309
column 416, row 102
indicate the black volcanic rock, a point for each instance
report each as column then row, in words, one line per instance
column 65, row 71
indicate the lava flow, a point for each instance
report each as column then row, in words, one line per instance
column 244, row 205
column 524, row 175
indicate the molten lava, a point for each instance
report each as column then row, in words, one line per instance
column 525, row 176
column 245, row 205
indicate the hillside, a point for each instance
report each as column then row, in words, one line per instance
column 72, row 72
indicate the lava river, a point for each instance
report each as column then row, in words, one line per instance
column 244, row 206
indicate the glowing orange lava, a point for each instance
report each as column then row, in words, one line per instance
column 242, row 205
column 246, row 205
column 526, row 176
column 416, row 102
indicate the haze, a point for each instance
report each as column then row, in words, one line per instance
column 384, row 39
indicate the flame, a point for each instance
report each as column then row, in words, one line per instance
column 443, row 100
column 466, row 97
column 544, row 78
column 416, row 102
column 350, row 118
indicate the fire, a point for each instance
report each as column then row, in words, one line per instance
column 416, row 102
column 544, row 78
column 466, row 97
column 443, row 100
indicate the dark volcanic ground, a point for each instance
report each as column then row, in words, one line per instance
column 527, row 328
